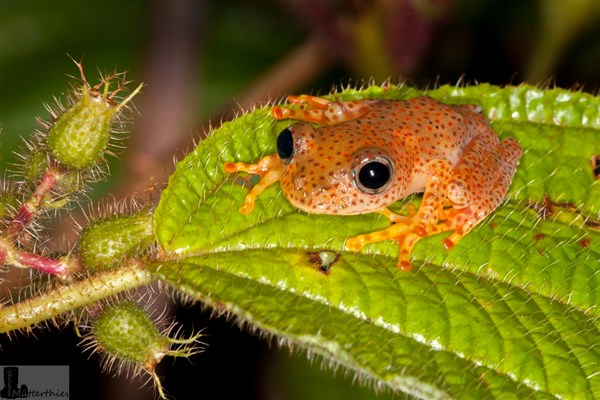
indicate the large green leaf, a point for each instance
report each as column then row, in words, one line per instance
column 510, row 311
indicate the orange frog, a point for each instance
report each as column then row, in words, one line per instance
column 367, row 154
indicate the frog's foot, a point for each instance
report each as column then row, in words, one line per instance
column 460, row 222
column 313, row 109
column 310, row 102
column 322, row 111
column 268, row 168
column 401, row 225
column 405, row 234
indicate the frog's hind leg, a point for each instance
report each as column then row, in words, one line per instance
column 508, row 153
column 475, row 173
column 322, row 111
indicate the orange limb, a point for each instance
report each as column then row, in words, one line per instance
column 268, row 168
column 467, row 218
column 322, row 111
column 312, row 102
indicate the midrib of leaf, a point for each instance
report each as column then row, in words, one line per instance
column 530, row 280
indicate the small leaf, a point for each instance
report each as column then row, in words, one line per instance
column 511, row 310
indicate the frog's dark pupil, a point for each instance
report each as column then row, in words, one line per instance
column 285, row 145
column 374, row 175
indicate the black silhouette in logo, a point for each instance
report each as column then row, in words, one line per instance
column 11, row 383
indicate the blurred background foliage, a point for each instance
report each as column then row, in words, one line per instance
column 204, row 61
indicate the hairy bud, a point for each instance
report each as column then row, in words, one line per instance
column 106, row 242
column 127, row 336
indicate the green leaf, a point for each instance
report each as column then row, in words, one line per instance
column 510, row 311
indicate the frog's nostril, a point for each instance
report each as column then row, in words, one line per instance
column 285, row 145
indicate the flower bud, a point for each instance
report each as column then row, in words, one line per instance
column 130, row 340
column 106, row 242
column 79, row 137
column 126, row 331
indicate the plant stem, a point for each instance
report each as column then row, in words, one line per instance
column 12, row 256
column 66, row 298
column 31, row 207
column 41, row 263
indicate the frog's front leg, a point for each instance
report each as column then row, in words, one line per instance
column 322, row 111
column 269, row 168
column 408, row 230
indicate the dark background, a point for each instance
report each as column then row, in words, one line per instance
column 203, row 61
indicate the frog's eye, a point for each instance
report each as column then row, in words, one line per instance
column 285, row 145
column 374, row 175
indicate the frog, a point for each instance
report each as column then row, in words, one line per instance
column 361, row 156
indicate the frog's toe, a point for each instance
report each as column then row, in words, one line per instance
column 404, row 265
column 357, row 242
column 406, row 244
column 404, row 257
column 280, row 113
column 231, row 167
column 449, row 244
column 248, row 206
column 451, row 240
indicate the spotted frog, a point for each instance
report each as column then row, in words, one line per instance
column 365, row 155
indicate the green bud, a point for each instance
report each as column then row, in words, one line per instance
column 104, row 243
column 129, row 338
column 79, row 137
column 125, row 331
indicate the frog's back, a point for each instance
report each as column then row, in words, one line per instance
column 428, row 128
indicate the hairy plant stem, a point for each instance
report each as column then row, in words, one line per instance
column 31, row 207
column 66, row 298
column 11, row 255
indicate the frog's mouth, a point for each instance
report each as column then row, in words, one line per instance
column 336, row 195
